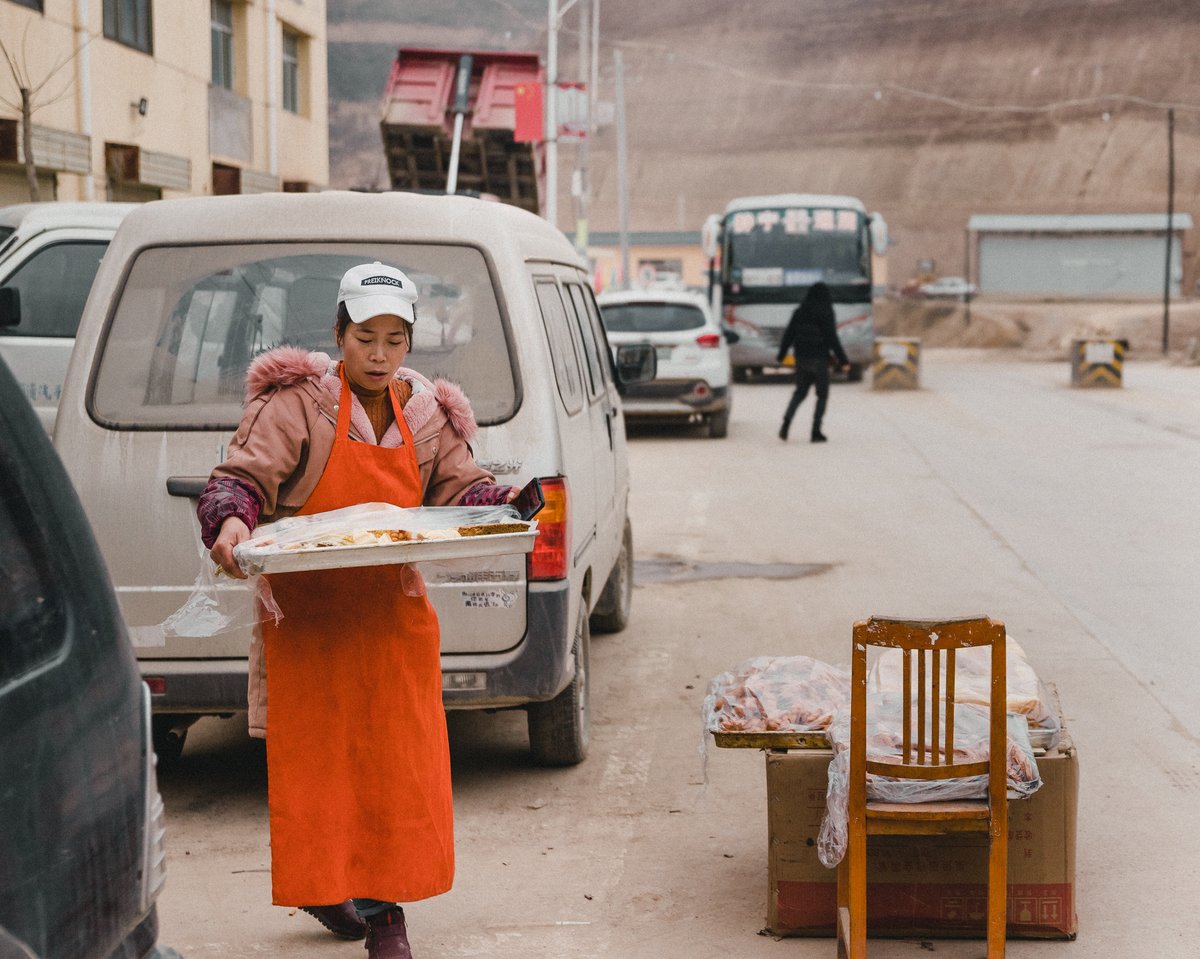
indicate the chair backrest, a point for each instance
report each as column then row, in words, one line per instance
column 927, row 694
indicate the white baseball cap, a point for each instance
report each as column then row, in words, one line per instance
column 373, row 289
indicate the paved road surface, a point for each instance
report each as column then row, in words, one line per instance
column 1072, row 515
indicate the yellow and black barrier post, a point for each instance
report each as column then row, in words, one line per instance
column 1097, row 362
column 896, row 363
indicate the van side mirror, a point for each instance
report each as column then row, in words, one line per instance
column 636, row 363
column 731, row 336
column 10, row 306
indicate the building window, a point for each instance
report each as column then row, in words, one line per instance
column 128, row 22
column 291, row 71
column 222, row 44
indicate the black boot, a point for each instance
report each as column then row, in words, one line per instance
column 783, row 430
column 819, row 437
column 342, row 919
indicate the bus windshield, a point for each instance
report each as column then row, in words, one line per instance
column 795, row 246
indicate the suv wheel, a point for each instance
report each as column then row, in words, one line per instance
column 612, row 612
column 559, row 729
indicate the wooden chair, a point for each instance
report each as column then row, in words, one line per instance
column 933, row 643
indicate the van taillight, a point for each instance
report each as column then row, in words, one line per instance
column 709, row 341
column 551, row 549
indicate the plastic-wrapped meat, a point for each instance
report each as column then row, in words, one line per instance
column 885, row 742
column 770, row 693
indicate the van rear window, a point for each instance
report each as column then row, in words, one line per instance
column 190, row 319
column 651, row 317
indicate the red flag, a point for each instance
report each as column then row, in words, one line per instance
column 529, row 123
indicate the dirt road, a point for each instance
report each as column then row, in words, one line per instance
column 1069, row 514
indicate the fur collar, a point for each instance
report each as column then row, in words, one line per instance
column 292, row 365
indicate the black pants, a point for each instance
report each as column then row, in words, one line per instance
column 809, row 372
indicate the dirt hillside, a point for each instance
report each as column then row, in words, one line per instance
column 904, row 103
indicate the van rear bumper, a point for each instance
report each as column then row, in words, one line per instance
column 203, row 686
column 535, row 670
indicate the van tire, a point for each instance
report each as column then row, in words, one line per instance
column 611, row 614
column 855, row 373
column 559, row 730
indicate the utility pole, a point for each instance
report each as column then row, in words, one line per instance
column 1170, row 226
column 581, row 159
column 622, row 170
column 552, row 115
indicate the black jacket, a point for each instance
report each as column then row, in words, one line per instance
column 812, row 332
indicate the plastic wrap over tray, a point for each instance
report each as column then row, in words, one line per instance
column 972, row 684
column 784, row 697
column 972, row 732
column 374, row 534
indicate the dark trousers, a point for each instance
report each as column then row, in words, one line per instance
column 809, row 372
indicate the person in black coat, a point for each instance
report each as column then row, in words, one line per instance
column 812, row 335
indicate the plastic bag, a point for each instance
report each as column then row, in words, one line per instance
column 972, row 676
column 885, row 741
column 215, row 607
column 793, row 693
column 363, row 524
column 1027, row 694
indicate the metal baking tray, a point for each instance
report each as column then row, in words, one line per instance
column 269, row 559
column 773, row 739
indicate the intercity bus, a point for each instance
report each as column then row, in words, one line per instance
column 766, row 251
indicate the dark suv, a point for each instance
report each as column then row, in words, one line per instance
column 81, row 836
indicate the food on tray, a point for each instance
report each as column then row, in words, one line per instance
column 492, row 529
column 375, row 537
column 776, row 693
column 370, row 537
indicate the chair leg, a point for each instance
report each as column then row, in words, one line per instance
column 842, row 924
column 856, row 890
column 997, row 920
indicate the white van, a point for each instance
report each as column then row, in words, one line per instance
column 191, row 290
column 49, row 253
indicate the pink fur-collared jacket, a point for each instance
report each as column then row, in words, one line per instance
column 283, row 442
column 285, row 437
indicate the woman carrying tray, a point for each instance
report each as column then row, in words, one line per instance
column 357, row 755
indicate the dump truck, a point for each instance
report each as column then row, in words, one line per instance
column 430, row 92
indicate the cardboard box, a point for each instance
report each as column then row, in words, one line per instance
column 924, row 886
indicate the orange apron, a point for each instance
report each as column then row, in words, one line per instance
column 358, row 761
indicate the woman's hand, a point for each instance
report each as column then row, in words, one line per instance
column 513, row 493
column 233, row 531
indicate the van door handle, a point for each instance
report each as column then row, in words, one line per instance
column 189, row 486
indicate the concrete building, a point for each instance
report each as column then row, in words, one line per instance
column 652, row 256
column 1085, row 255
column 145, row 99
